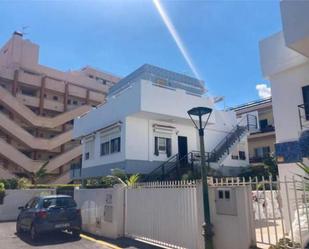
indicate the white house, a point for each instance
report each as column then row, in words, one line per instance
column 285, row 62
column 145, row 122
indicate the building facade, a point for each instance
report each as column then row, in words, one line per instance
column 145, row 123
column 285, row 62
column 261, row 142
column 37, row 107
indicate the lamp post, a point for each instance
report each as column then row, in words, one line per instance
column 207, row 227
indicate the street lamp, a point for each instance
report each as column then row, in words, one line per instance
column 200, row 112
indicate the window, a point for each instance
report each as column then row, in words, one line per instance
column 263, row 124
column 242, row 155
column 59, row 202
column 105, row 148
column 89, row 148
column 262, row 152
column 28, row 92
column 87, row 156
column 115, row 145
column 305, row 91
column 75, row 102
column 55, row 97
column 163, row 145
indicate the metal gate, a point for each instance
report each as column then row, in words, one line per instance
column 164, row 213
column 280, row 209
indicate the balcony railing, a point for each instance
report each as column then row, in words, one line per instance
column 257, row 159
column 303, row 114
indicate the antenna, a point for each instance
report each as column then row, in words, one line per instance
column 23, row 30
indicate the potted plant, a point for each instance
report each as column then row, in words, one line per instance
column 2, row 192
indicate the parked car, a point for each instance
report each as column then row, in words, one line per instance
column 48, row 214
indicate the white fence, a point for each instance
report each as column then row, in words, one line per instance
column 165, row 213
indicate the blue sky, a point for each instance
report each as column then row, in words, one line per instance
column 120, row 35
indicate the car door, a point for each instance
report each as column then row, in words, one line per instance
column 30, row 213
column 23, row 214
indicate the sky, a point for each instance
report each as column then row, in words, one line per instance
column 220, row 38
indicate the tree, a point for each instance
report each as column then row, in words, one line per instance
column 133, row 179
column 39, row 175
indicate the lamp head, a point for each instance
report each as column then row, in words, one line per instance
column 199, row 111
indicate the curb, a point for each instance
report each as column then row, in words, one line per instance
column 109, row 245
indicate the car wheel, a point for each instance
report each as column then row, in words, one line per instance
column 33, row 233
column 18, row 228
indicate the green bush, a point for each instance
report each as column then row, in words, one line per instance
column 2, row 192
column 23, row 183
column 120, row 174
column 10, row 183
column 285, row 243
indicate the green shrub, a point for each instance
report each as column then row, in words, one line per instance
column 120, row 174
column 10, row 183
column 133, row 179
column 23, row 183
column 285, row 243
column 2, row 192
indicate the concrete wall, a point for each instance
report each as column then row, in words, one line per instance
column 16, row 198
column 233, row 231
column 102, row 210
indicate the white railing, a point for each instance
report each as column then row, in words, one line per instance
column 164, row 213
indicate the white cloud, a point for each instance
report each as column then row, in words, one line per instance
column 263, row 90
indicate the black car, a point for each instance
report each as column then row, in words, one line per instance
column 48, row 214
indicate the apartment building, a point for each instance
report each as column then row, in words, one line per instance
column 261, row 142
column 146, row 128
column 285, row 62
column 37, row 107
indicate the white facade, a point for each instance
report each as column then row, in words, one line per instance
column 139, row 113
column 288, row 72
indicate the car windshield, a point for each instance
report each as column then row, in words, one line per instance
column 58, row 202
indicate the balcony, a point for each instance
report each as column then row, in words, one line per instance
column 257, row 159
column 295, row 20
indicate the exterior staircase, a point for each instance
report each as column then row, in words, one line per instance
column 175, row 167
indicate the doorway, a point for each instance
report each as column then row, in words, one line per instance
column 183, row 150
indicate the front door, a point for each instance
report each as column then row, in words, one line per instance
column 183, row 150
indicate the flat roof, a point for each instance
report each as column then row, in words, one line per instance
column 255, row 103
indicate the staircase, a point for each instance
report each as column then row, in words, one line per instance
column 175, row 167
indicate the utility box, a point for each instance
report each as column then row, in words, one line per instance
column 232, row 217
column 226, row 201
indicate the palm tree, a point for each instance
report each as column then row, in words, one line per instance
column 133, row 179
column 39, row 175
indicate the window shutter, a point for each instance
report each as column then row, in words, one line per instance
column 168, row 147
column 156, row 149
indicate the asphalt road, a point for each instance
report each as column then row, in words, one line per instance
column 9, row 240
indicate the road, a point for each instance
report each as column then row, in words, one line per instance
column 9, row 240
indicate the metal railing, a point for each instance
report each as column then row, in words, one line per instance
column 280, row 208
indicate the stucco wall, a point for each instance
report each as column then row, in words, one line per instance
column 102, row 210
column 16, row 198
column 286, row 96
